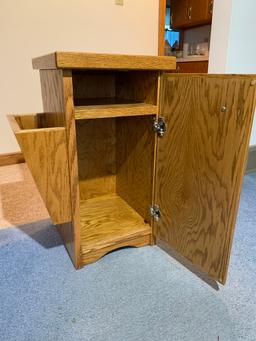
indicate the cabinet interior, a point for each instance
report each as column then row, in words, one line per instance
column 113, row 93
column 38, row 121
column 115, row 162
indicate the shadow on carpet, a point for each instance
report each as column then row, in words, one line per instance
column 129, row 295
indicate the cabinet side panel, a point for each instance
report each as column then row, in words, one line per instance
column 72, row 232
column 57, row 96
column 135, row 154
column 52, row 95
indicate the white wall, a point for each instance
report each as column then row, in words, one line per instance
column 30, row 28
column 220, row 36
column 242, row 43
column 233, row 40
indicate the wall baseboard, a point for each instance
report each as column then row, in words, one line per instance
column 251, row 161
column 11, row 158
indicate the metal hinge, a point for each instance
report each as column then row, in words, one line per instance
column 160, row 126
column 155, row 212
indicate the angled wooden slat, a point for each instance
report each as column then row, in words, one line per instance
column 45, row 152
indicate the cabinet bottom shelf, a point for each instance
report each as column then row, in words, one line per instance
column 108, row 223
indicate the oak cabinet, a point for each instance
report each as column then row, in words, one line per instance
column 190, row 13
column 129, row 154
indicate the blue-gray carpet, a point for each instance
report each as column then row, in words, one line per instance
column 132, row 294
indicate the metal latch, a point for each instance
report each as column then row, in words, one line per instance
column 155, row 212
column 160, row 126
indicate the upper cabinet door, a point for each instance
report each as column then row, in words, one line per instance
column 189, row 13
column 198, row 12
column 179, row 13
column 200, row 165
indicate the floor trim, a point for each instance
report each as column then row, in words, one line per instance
column 11, row 158
column 251, row 162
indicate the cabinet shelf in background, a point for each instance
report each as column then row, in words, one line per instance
column 114, row 110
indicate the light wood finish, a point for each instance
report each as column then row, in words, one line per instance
column 161, row 27
column 71, row 232
column 57, row 95
column 187, row 264
column 200, row 165
column 45, row 153
column 11, row 159
column 96, row 143
column 52, row 95
column 153, row 225
column 94, row 254
column 114, row 110
column 135, row 153
column 82, row 60
column 108, row 223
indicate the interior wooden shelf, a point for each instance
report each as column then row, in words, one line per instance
column 109, row 222
column 114, row 110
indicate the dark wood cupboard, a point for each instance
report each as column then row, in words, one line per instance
column 190, row 13
column 179, row 13
column 192, row 67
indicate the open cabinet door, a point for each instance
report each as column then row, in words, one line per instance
column 200, row 165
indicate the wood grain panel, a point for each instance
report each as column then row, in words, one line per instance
column 137, row 86
column 135, row 157
column 159, row 91
column 11, row 158
column 71, row 233
column 200, row 12
column 47, row 61
column 200, row 165
column 57, row 95
column 193, row 67
column 38, row 120
column 46, row 156
column 179, row 14
column 109, row 223
column 97, row 252
column 93, row 84
column 114, row 110
column 52, row 96
column 81, row 60
column 96, row 143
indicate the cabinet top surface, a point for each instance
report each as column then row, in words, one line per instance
column 82, row 60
